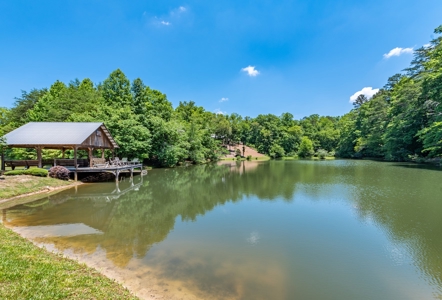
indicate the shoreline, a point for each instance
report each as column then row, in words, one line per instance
column 136, row 286
column 75, row 280
column 32, row 196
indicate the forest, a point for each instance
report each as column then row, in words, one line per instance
column 402, row 122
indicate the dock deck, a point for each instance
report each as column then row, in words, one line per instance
column 110, row 169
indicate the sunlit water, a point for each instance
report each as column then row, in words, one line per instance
column 254, row 230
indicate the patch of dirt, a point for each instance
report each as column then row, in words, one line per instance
column 248, row 151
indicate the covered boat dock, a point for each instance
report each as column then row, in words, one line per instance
column 88, row 136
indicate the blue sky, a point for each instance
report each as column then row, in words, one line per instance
column 249, row 57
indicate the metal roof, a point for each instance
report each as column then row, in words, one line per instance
column 54, row 133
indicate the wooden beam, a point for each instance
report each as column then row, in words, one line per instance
column 40, row 165
column 75, row 164
column 90, row 157
column 3, row 161
column 102, row 153
column 75, row 157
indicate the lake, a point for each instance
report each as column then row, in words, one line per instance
column 301, row 229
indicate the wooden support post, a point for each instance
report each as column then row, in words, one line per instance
column 3, row 161
column 40, row 165
column 75, row 164
column 90, row 157
column 75, row 157
column 62, row 152
column 131, row 173
column 102, row 153
column 117, row 172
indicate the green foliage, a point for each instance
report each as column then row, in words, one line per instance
column 401, row 121
column 116, row 90
column 32, row 171
column 3, row 144
column 133, row 138
column 321, row 153
column 306, row 147
column 432, row 139
column 18, row 115
column 238, row 152
column 276, row 151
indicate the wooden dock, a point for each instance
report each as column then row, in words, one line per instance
column 116, row 170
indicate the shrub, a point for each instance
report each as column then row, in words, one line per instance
column 276, row 151
column 306, row 147
column 237, row 152
column 249, row 157
column 321, row 153
column 37, row 172
column 15, row 172
column 59, row 172
column 34, row 172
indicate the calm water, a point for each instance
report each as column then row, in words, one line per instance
column 260, row 230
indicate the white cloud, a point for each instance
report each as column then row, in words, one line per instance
column 224, row 99
column 251, row 71
column 173, row 16
column 178, row 11
column 367, row 91
column 219, row 112
column 397, row 52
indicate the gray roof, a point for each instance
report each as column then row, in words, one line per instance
column 54, row 133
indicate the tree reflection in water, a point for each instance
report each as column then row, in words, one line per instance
column 405, row 202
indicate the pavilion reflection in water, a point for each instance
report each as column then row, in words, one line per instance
column 60, row 217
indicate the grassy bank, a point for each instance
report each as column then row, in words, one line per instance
column 12, row 186
column 28, row 272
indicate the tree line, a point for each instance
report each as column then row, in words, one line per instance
column 403, row 121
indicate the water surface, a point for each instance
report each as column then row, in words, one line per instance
column 255, row 230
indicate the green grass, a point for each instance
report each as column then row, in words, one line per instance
column 28, row 272
column 12, row 186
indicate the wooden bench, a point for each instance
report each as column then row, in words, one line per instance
column 47, row 162
column 70, row 162
column 16, row 163
column 21, row 163
column 32, row 163
column 99, row 162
